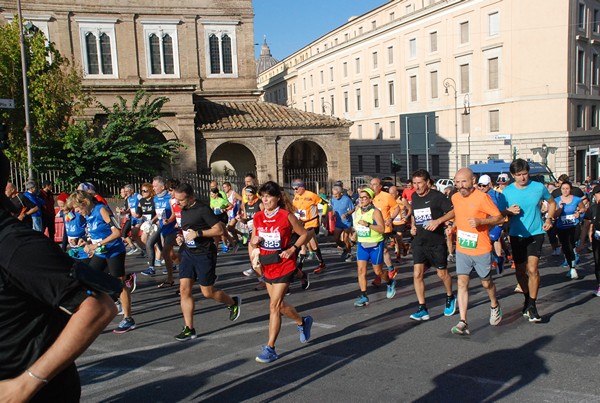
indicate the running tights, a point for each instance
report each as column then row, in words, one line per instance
column 567, row 240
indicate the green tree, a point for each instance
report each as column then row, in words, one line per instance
column 55, row 91
column 127, row 143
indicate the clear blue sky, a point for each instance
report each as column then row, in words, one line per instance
column 291, row 24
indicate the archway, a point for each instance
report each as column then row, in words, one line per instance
column 232, row 159
column 306, row 160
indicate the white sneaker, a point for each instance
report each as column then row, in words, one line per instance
column 574, row 275
column 249, row 273
column 132, row 251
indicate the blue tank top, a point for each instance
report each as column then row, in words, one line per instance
column 162, row 206
column 100, row 230
column 567, row 218
column 132, row 202
column 75, row 225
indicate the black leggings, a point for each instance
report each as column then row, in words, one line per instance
column 596, row 249
column 567, row 240
column 153, row 239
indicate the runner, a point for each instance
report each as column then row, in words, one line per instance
column 474, row 212
column 570, row 209
column 132, row 199
column 106, row 246
column 249, row 209
column 431, row 209
column 145, row 212
column 593, row 214
column 399, row 222
column 166, row 223
column 369, row 226
column 496, row 233
column 527, row 231
column 23, row 208
column 274, row 230
column 343, row 208
column 307, row 212
column 48, row 212
column 235, row 200
column 198, row 258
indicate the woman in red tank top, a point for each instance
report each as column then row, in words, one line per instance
column 273, row 228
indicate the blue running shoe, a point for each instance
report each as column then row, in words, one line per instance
column 391, row 290
column 267, row 355
column 564, row 264
column 420, row 315
column 362, row 301
column 450, row 308
column 304, row 329
column 149, row 271
column 577, row 259
column 125, row 325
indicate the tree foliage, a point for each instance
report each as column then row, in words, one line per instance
column 126, row 143
column 55, row 92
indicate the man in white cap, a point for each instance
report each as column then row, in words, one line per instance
column 496, row 234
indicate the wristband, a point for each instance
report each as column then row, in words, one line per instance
column 31, row 374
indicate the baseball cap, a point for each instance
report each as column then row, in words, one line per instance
column 484, row 180
column 502, row 178
column 369, row 191
column 63, row 197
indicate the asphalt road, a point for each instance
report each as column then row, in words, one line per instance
column 375, row 353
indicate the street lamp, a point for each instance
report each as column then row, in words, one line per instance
column 450, row 83
column 467, row 112
column 25, row 94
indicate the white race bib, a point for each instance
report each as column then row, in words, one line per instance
column 362, row 231
column 160, row 212
column 271, row 240
column 568, row 219
column 467, row 240
column 422, row 216
column 189, row 244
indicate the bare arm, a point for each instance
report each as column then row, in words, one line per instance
column 433, row 224
column 551, row 213
column 214, row 231
column 299, row 229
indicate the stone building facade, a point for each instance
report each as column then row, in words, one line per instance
column 196, row 53
column 503, row 78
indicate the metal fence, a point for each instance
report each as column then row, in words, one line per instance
column 314, row 179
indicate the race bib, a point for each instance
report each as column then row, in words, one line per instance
column 362, row 231
column 422, row 216
column 250, row 224
column 178, row 219
column 467, row 240
column 160, row 212
column 147, row 217
column 189, row 244
column 597, row 235
column 271, row 240
column 568, row 219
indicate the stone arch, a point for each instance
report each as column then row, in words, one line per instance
column 232, row 158
column 307, row 160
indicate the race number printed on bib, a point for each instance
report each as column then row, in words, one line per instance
column 160, row 212
column 422, row 216
column 189, row 244
column 271, row 240
column 568, row 219
column 147, row 217
column 467, row 240
column 362, row 231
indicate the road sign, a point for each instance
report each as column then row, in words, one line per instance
column 502, row 137
column 7, row 103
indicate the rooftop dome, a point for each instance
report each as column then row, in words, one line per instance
column 265, row 60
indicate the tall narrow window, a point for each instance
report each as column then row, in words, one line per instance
column 596, row 22
column 331, row 74
column 377, row 131
column 168, row 55
column 464, row 32
column 392, row 129
column 390, row 51
column 92, row 54
column 581, row 16
column 580, row 116
column 465, row 123
column 332, row 102
column 594, row 117
column 433, row 42
column 358, row 106
column 580, row 67
column 376, row 95
column 98, row 47
column 412, row 48
column 155, row 65
column 374, row 60
column 227, row 60
column 357, row 65
column 359, row 131
column 160, row 48
column 433, row 78
column 346, row 102
column 345, row 69
column 494, row 121
column 493, row 73
column 215, row 54
column 321, row 75
column 464, row 78
column 595, row 68
column 221, row 48
column 493, row 24
column 413, row 88
column 391, row 93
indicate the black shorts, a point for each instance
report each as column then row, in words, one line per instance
column 115, row 264
column 522, row 248
column 435, row 255
column 223, row 218
column 285, row 279
column 126, row 229
column 199, row 267
column 399, row 229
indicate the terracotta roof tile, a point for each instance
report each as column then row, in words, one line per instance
column 259, row 115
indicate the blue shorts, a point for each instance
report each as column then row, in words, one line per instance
column 495, row 233
column 199, row 268
column 374, row 254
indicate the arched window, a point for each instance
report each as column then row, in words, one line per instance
column 98, row 47
column 154, row 48
column 227, row 60
column 105, row 54
column 215, row 57
column 220, row 48
column 91, row 48
column 169, row 65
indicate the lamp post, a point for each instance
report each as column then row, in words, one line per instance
column 450, row 83
column 25, row 94
column 467, row 112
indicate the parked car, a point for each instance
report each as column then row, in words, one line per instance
column 442, row 184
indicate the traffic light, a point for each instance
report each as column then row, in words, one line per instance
column 394, row 164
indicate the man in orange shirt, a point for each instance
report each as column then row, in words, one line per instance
column 474, row 212
column 386, row 203
column 307, row 212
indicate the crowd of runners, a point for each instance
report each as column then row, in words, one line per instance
column 480, row 225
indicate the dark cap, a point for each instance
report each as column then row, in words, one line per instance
column 595, row 182
column 595, row 190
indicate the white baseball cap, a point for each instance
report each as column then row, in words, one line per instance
column 484, row 180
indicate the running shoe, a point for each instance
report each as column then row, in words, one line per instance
column 391, row 290
column 320, row 269
column 236, row 308
column 565, row 263
column 267, row 355
column 533, row 314
column 304, row 329
column 186, row 334
column 249, row 273
column 362, row 301
column 597, row 292
column 495, row 315
column 344, row 255
column 119, row 307
column 376, row 282
column 131, row 282
column 125, row 325
column 451, row 258
column 577, row 259
column 450, row 308
column 573, row 274
column 461, row 328
column 149, row 271
column 420, row 315
column 158, row 263
column 305, row 282
column 348, row 258
column 133, row 251
column 518, row 288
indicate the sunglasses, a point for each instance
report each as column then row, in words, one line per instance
column 145, row 190
column 295, row 187
column 481, row 185
column 364, row 197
